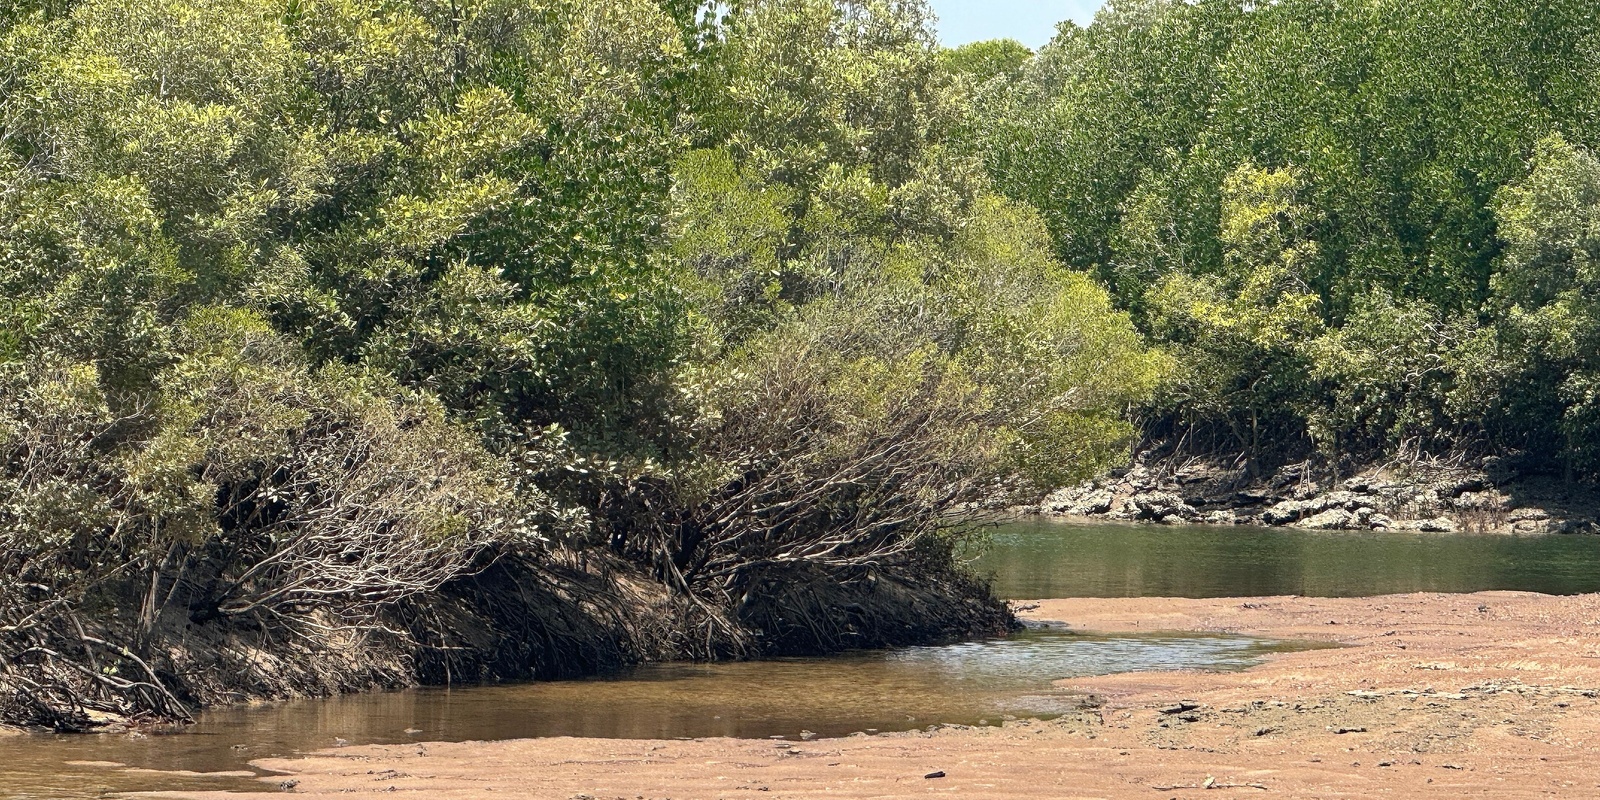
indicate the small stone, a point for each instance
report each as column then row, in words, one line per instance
column 930, row 776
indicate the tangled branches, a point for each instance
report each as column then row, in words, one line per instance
column 824, row 468
column 63, row 541
column 286, row 505
column 361, row 517
column 813, row 486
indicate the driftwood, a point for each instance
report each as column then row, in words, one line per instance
column 1209, row 783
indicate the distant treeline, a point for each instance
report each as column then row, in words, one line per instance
column 370, row 341
column 1359, row 223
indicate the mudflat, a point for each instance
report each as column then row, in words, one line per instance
column 1483, row 695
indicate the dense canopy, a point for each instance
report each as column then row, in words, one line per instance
column 316, row 314
column 1360, row 221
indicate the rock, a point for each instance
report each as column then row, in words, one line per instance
column 1571, row 526
column 1220, row 518
column 1127, row 510
column 1422, row 503
column 1078, row 501
column 1291, row 511
column 1058, row 501
column 1334, row 519
column 1436, row 525
column 1380, row 522
column 1251, row 498
column 932, row 775
column 1306, row 491
column 1439, row 525
column 1160, row 505
column 1480, row 501
column 1096, row 502
column 1348, row 501
column 1529, row 515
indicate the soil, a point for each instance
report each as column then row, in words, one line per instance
column 1484, row 695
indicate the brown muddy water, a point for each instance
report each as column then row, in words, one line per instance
column 973, row 683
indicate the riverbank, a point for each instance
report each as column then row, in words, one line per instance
column 1487, row 495
column 520, row 621
column 1484, row 695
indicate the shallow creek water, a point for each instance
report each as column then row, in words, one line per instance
column 1039, row 558
column 972, row 683
column 983, row 682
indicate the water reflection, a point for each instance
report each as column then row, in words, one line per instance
column 1039, row 558
column 969, row 683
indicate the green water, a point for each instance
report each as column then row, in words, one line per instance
column 1040, row 558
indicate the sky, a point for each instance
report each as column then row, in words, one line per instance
column 1032, row 22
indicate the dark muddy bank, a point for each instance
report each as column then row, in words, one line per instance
column 515, row 620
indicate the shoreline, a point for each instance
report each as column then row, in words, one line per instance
column 1494, row 694
column 1451, row 497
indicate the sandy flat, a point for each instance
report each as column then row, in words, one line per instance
column 1448, row 696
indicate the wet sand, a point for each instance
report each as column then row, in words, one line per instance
column 1484, row 695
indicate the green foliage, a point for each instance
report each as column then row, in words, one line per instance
column 1322, row 210
column 1534, row 373
column 308, row 311
column 1388, row 375
column 351, row 172
column 982, row 62
column 1239, row 333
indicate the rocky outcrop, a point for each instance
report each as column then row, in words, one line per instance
column 1480, row 498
